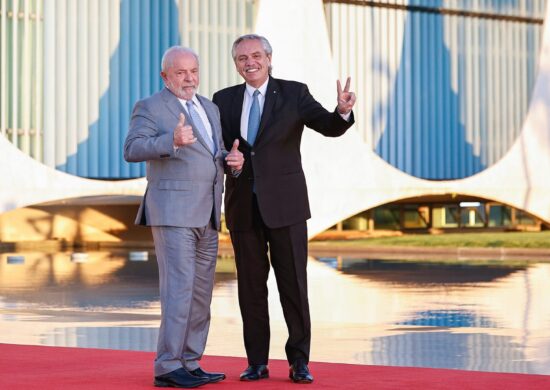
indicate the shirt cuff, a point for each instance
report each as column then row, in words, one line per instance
column 345, row 116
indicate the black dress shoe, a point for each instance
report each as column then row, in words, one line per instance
column 179, row 378
column 255, row 372
column 299, row 373
column 212, row 377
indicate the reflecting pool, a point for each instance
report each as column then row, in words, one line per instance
column 465, row 314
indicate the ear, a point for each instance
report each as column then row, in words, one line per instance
column 163, row 75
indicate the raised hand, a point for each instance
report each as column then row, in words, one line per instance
column 183, row 134
column 235, row 158
column 346, row 99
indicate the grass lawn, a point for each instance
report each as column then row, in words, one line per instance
column 478, row 240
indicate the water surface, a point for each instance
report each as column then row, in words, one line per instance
column 464, row 314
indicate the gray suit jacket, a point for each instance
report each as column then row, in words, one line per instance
column 184, row 185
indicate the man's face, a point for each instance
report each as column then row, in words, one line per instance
column 252, row 62
column 182, row 75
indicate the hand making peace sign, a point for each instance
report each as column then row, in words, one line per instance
column 346, row 99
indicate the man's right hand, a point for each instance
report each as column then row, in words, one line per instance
column 235, row 158
column 183, row 134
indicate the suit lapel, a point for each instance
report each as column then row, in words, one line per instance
column 270, row 99
column 213, row 123
column 173, row 104
column 236, row 111
column 175, row 107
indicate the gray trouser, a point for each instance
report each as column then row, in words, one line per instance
column 187, row 262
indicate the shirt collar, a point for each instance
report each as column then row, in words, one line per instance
column 194, row 99
column 263, row 88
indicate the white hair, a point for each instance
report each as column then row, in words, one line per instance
column 168, row 56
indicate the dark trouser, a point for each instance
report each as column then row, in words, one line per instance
column 288, row 252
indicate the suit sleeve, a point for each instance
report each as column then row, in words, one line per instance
column 316, row 117
column 144, row 140
column 224, row 144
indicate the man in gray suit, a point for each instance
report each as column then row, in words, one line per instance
column 178, row 134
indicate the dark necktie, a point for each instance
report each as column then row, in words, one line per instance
column 253, row 119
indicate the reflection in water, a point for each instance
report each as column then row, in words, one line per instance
column 489, row 316
column 472, row 351
column 450, row 319
column 15, row 259
column 425, row 272
column 109, row 337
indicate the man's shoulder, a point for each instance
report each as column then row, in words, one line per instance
column 154, row 98
column 204, row 99
column 287, row 86
column 227, row 91
column 207, row 103
column 288, row 83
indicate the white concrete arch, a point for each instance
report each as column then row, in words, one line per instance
column 25, row 181
column 345, row 177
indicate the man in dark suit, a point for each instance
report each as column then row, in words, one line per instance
column 267, row 205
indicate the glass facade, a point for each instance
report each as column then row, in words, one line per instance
column 440, row 217
column 444, row 85
column 21, row 76
column 71, row 71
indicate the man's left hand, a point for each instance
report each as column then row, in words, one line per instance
column 346, row 99
column 235, row 158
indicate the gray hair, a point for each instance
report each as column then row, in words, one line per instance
column 263, row 40
column 168, row 56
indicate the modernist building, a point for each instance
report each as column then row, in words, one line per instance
column 453, row 121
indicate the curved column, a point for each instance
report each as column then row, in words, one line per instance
column 345, row 177
column 25, row 181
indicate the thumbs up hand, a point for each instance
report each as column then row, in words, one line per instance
column 183, row 134
column 235, row 158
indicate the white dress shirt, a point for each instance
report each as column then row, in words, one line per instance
column 247, row 102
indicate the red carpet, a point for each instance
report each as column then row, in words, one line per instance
column 37, row 367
